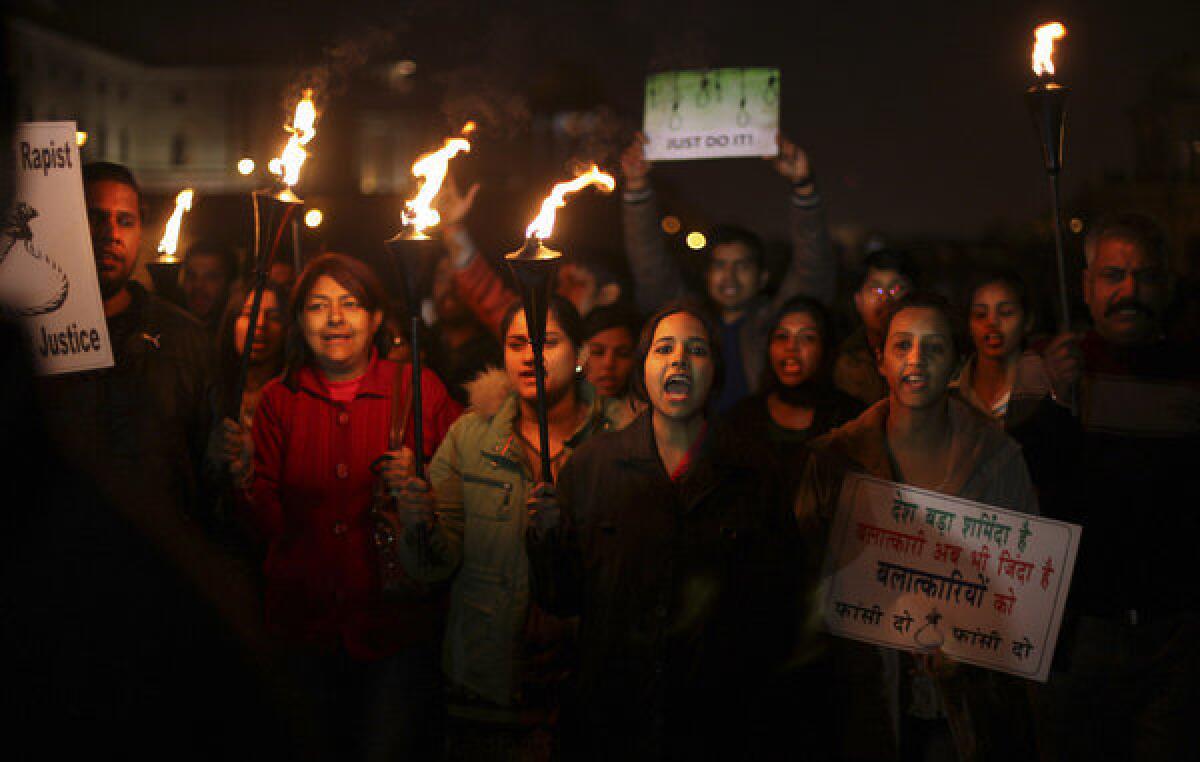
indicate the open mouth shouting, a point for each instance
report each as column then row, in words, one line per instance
column 915, row 381
column 677, row 387
column 993, row 340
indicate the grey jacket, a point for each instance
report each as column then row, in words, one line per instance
column 812, row 270
column 482, row 478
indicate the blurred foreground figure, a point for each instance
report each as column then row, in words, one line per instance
column 1129, row 654
column 139, row 429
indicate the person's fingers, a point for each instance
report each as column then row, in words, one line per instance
column 413, row 484
column 469, row 197
column 542, row 489
column 230, row 425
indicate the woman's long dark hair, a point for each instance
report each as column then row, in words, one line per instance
column 229, row 361
column 355, row 276
column 820, row 383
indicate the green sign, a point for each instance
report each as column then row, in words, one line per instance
column 712, row 114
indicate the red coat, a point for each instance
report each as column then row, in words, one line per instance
column 309, row 500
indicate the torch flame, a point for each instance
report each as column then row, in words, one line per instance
column 543, row 225
column 1043, row 47
column 170, row 239
column 468, row 128
column 419, row 212
column 287, row 165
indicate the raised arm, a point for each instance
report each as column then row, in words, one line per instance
column 812, row 270
column 656, row 279
column 479, row 287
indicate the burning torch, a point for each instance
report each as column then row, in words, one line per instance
column 1047, row 104
column 165, row 270
column 533, row 267
column 273, row 209
column 413, row 248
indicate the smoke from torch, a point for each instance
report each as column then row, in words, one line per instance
column 543, row 225
column 1043, row 47
column 170, row 239
column 303, row 128
column 432, row 167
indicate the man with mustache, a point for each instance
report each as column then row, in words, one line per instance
column 1128, row 651
column 138, row 429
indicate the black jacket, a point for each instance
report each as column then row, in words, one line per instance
column 685, row 593
column 139, row 429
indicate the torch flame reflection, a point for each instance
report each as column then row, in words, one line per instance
column 419, row 212
column 543, row 225
column 1043, row 47
column 170, row 239
column 287, row 165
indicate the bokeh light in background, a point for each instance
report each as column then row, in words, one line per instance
column 245, row 166
column 313, row 218
column 696, row 240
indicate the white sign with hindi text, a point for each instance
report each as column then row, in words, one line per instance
column 47, row 272
column 916, row 570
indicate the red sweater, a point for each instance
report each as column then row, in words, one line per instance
column 310, row 500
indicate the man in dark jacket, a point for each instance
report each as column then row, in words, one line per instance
column 1129, row 647
column 139, row 428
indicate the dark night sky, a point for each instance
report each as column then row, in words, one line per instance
column 912, row 113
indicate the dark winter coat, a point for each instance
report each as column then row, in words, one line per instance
column 685, row 593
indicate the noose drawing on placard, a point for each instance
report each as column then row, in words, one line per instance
column 929, row 636
column 676, row 119
column 703, row 96
column 16, row 228
column 771, row 91
column 743, row 116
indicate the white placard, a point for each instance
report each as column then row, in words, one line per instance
column 47, row 271
column 917, row 570
column 712, row 114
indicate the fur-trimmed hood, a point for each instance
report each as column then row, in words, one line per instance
column 487, row 392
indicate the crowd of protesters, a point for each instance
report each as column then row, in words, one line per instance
column 652, row 596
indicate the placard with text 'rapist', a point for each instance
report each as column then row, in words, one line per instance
column 712, row 114
column 917, row 570
column 47, row 270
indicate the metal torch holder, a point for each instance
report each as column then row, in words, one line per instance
column 273, row 210
column 1047, row 107
column 164, row 274
column 408, row 266
column 533, row 267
